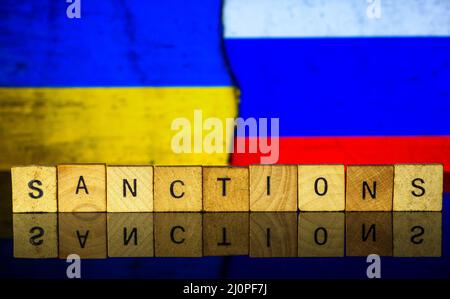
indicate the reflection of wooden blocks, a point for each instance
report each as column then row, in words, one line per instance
column 225, row 234
column 130, row 235
column 130, row 188
column 321, row 234
column 369, row 188
column 178, row 234
column 34, row 189
column 35, row 235
column 83, row 234
column 418, row 187
column 369, row 233
column 321, row 187
column 273, row 188
column 82, row 188
column 225, row 189
column 273, row 234
column 178, row 189
column 417, row 234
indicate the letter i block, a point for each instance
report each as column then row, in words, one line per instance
column 225, row 189
column 82, row 188
column 321, row 188
column 178, row 189
column 273, row 188
column 369, row 188
column 129, row 188
column 34, row 189
column 418, row 187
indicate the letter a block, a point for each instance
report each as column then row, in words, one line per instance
column 369, row 188
column 273, row 188
column 225, row 189
column 178, row 189
column 130, row 188
column 34, row 189
column 418, row 187
column 321, row 188
column 82, row 188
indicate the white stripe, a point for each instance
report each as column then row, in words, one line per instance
column 336, row 18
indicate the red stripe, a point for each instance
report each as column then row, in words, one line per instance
column 357, row 150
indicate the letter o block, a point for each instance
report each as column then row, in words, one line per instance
column 34, row 189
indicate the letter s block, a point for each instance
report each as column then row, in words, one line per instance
column 418, row 187
column 34, row 189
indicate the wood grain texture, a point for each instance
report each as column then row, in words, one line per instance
column 83, row 234
column 234, row 197
column 87, row 125
column 130, row 234
column 129, row 188
column 34, row 189
column 35, row 235
column 417, row 234
column 273, row 188
column 273, row 234
column 178, row 235
column 369, row 188
column 321, row 187
column 82, row 188
column 418, row 187
column 321, row 234
column 368, row 233
column 225, row 234
column 178, row 189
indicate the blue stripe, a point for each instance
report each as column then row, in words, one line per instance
column 346, row 86
column 115, row 43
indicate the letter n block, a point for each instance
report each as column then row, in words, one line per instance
column 369, row 188
column 321, row 188
column 273, row 188
column 178, row 189
column 82, row 188
column 418, row 187
column 34, row 189
column 225, row 189
column 129, row 188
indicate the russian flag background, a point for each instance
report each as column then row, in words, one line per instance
column 347, row 88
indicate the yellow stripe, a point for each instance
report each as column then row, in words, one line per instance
column 112, row 125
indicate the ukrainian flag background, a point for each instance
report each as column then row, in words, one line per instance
column 106, row 87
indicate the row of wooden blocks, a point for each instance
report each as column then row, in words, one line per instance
column 101, row 188
column 325, row 234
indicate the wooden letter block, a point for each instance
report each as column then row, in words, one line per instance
column 417, row 234
column 83, row 234
column 273, row 188
column 130, row 235
column 129, row 188
column 178, row 189
column 321, row 187
column 82, row 188
column 225, row 189
column 34, row 189
column 369, row 233
column 225, row 234
column 418, row 187
column 273, row 234
column 321, row 234
column 178, row 234
column 35, row 235
column 369, row 188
